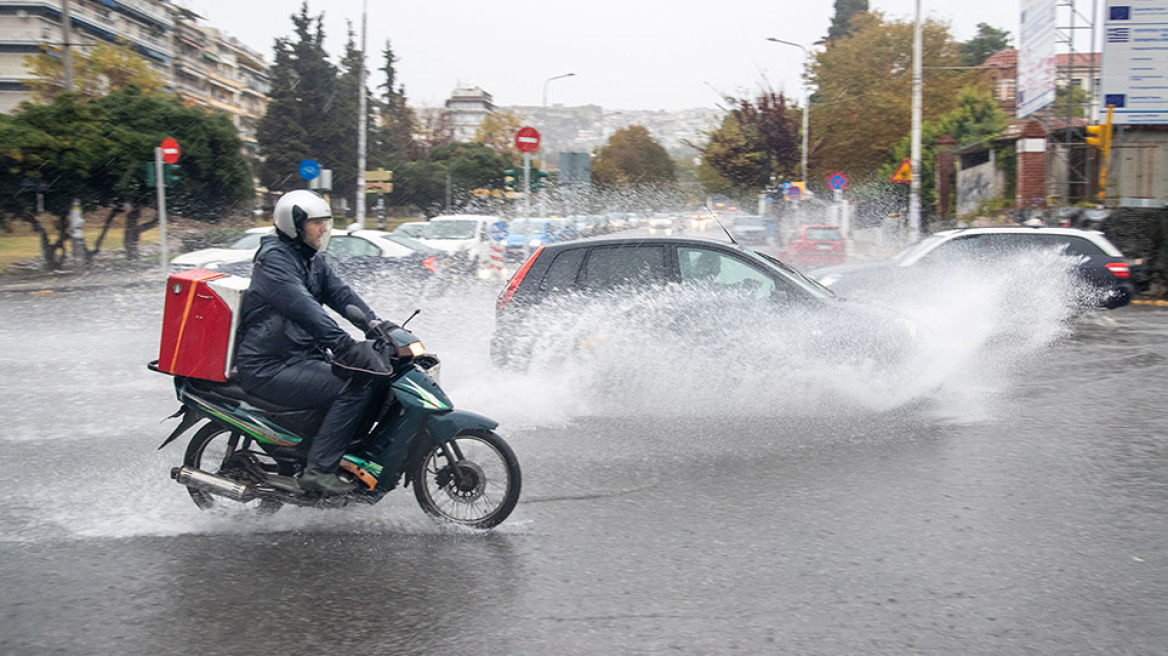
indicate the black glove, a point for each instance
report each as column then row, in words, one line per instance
column 364, row 356
column 383, row 326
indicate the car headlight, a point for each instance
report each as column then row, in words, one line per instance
column 829, row 280
column 535, row 243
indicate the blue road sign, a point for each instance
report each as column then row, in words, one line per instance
column 309, row 169
column 837, row 181
column 498, row 230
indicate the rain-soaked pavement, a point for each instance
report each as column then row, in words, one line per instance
column 1016, row 503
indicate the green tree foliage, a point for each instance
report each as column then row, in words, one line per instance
column 988, row 41
column 97, row 70
column 977, row 118
column 393, row 141
column 756, row 141
column 300, row 121
column 632, row 156
column 863, row 106
column 97, row 149
column 469, row 166
column 845, row 11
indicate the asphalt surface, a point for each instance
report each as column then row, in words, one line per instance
column 1021, row 512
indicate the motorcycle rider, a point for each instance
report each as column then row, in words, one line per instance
column 284, row 332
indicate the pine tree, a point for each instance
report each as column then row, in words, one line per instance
column 845, row 10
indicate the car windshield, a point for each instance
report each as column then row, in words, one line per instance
column 917, row 249
column 412, row 229
column 450, row 230
column 247, row 242
column 412, row 244
column 749, row 221
column 813, row 287
column 823, row 234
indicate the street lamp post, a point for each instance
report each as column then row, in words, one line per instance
column 806, row 106
column 543, row 123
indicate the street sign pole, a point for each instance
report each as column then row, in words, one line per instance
column 160, row 180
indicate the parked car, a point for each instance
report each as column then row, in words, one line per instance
column 1101, row 268
column 526, row 234
column 464, row 236
column 816, row 246
column 241, row 250
column 583, row 271
column 749, row 229
column 357, row 254
column 412, row 229
column 666, row 223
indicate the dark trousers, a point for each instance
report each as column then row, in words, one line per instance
column 311, row 384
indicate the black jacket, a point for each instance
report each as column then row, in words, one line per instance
column 283, row 320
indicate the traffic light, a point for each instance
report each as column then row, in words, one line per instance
column 509, row 179
column 170, row 174
column 538, row 179
column 1096, row 136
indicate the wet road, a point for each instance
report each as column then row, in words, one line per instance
column 1023, row 511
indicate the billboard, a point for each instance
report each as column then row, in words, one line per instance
column 1135, row 62
column 1037, row 65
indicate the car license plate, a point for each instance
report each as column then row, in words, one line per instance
column 823, row 247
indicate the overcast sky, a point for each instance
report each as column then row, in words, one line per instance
column 626, row 54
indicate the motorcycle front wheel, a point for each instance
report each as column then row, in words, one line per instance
column 222, row 451
column 472, row 480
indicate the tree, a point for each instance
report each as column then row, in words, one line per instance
column 97, row 70
column 977, row 118
column 97, row 150
column 988, row 41
column 863, row 105
column 758, row 140
column 393, row 141
column 632, row 156
column 300, row 121
column 468, row 166
column 497, row 131
column 845, row 11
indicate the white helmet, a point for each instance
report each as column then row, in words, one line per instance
column 296, row 207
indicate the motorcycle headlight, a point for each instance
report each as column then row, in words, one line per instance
column 411, row 350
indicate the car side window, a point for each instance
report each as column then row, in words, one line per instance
column 715, row 268
column 1073, row 245
column 607, row 268
column 958, row 248
column 563, row 271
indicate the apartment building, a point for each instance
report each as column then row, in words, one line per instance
column 465, row 110
column 200, row 64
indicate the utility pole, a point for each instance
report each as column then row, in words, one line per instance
column 361, row 127
column 67, row 44
column 914, row 202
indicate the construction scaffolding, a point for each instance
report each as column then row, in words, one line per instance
column 1071, row 164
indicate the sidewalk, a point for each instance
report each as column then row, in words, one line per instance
column 73, row 281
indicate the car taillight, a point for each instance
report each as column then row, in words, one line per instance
column 1118, row 269
column 430, row 262
column 513, row 284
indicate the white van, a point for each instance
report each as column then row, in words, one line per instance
column 463, row 235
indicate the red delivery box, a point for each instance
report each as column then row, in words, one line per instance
column 199, row 322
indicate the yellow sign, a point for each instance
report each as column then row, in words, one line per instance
column 380, row 175
column 903, row 172
column 378, row 187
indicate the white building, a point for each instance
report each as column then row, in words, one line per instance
column 465, row 110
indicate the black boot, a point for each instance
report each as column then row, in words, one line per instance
column 319, row 481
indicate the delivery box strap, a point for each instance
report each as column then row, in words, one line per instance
column 182, row 326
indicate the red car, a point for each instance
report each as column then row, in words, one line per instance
column 817, row 245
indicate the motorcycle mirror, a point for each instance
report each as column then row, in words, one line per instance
column 416, row 313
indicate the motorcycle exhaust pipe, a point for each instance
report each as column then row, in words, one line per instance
column 201, row 480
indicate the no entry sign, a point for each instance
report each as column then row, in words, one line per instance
column 527, row 140
column 170, row 150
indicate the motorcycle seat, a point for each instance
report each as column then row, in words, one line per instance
column 232, row 390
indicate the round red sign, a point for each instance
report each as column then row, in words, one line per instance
column 170, row 151
column 527, row 140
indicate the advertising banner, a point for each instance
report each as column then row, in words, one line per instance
column 1135, row 62
column 1037, row 65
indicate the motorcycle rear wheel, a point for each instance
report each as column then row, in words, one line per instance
column 210, row 451
column 487, row 488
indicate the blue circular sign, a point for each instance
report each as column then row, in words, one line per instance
column 837, row 181
column 498, row 230
column 309, row 169
column 794, row 193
